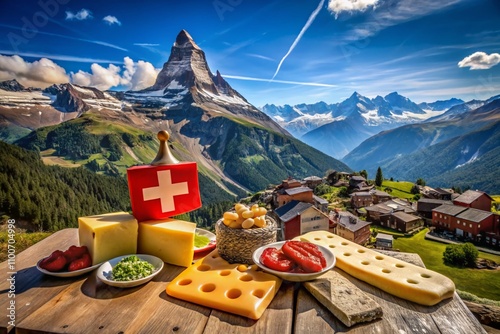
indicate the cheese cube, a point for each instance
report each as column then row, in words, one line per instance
column 172, row 240
column 108, row 235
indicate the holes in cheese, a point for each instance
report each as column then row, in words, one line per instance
column 234, row 288
column 204, row 268
column 394, row 276
column 208, row 287
column 347, row 254
column 259, row 293
column 246, row 278
column 185, row 282
column 233, row 293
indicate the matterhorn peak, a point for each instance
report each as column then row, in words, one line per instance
column 184, row 40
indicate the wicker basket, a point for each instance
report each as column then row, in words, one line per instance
column 236, row 245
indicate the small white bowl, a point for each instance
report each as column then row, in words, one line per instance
column 294, row 277
column 105, row 270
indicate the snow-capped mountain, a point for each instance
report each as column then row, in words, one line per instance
column 237, row 147
column 336, row 129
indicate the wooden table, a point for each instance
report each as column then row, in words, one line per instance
column 46, row 304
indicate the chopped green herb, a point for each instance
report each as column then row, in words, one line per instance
column 131, row 268
column 201, row 240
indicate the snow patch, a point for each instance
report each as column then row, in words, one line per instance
column 474, row 157
column 174, row 84
column 225, row 98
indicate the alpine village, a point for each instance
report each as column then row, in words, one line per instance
column 67, row 151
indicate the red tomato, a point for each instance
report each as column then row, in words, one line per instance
column 309, row 262
column 275, row 259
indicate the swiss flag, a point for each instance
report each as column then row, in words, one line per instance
column 158, row 192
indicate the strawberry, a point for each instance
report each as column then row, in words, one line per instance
column 75, row 252
column 84, row 262
column 55, row 262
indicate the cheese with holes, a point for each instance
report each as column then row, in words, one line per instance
column 234, row 288
column 344, row 299
column 172, row 240
column 399, row 278
column 108, row 235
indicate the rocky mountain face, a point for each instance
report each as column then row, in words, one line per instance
column 457, row 149
column 237, row 147
column 336, row 129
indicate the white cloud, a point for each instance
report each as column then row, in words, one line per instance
column 133, row 75
column 100, row 77
column 392, row 13
column 40, row 73
column 82, row 14
column 480, row 61
column 338, row 6
column 110, row 19
column 139, row 75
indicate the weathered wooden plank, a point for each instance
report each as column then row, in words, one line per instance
column 278, row 318
column 96, row 307
column 32, row 287
column 47, row 304
column 400, row 316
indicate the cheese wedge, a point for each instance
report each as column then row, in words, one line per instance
column 234, row 288
column 344, row 299
column 172, row 240
column 399, row 278
column 108, row 235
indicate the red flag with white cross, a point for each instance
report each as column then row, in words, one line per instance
column 165, row 188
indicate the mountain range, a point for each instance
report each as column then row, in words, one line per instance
column 238, row 148
column 336, row 129
column 461, row 148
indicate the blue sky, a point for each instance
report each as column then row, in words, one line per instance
column 281, row 52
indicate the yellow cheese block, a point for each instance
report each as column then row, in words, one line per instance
column 399, row 278
column 171, row 240
column 108, row 235
column 234, row 288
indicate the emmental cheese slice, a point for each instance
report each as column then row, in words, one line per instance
column 234, row 288
column 399, row 278
column 172, row 240
column 108, row 235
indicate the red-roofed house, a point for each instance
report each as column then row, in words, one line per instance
column 474, row 199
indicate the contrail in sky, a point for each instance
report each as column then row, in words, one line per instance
column 297, row 39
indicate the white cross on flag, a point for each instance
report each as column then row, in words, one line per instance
column 159, row 192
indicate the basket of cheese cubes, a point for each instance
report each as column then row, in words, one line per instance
column 240, row 232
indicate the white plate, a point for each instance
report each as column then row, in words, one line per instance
column 105, row 270
column 66, row 273
column 211, row 244
column 294, row 277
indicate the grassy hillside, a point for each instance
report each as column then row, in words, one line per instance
column 401, row 189
column 465, row 279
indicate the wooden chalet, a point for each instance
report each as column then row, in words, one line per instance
column 474, row 199
column 464, row 221
column 351, row 227
column 297, row 218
